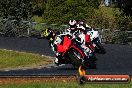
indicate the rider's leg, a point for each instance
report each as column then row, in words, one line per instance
column 86, row 49
column 58, row 59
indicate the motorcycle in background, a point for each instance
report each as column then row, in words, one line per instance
column 96, row 40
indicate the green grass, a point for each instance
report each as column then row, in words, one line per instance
column 13, row 59
column 64, row 85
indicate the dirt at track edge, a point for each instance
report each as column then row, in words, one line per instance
column 34, row 79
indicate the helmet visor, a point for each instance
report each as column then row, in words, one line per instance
column 72, row 26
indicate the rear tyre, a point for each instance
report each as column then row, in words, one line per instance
column 81, row 79
column 100, row 48
column 90, row 62
column 92, row 65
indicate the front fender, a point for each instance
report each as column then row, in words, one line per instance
column 79, row 49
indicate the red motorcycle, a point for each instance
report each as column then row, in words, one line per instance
column 72, row 53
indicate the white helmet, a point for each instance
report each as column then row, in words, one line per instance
column 72, row 24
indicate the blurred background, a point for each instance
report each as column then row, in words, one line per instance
column 26, row 18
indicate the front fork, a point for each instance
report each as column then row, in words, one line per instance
column 94, row 42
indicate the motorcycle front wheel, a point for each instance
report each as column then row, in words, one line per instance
column 76, row 58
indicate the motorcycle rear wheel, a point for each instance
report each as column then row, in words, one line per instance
column 100, row 48
column 90, row 62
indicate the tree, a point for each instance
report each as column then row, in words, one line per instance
column 39, row 7
column 125, row 6
column 16, row 9
column 60, row 11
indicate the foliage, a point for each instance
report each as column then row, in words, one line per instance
column 104, row 17
column 38, row 7
column 112, row 19
column 60, row 11
column 13, row 28
column 53, row 11
column 16, row 9
column 124, row 22
column 125, row 6
column 115, row 37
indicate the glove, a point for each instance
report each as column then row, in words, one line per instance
column 56, row 60
column 90, row 54
column 69, row 36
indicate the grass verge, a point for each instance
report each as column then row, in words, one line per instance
column 14, row 59
column 64, row 85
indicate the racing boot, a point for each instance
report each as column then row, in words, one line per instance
column 92, row 56
column 56, row 61
column 91, row 60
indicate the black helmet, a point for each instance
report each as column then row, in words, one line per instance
column 48, row 33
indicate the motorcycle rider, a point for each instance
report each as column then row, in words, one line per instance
column 86, row 44
column 75, row 27
column 84, row 39
column 73, row 30
column 82, row 23
column 50, row 35
column 78, row 31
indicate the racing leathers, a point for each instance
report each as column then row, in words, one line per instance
column 84, row 40
column 53, row 45
column 80, row 35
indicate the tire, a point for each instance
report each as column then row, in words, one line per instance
column 81, row 79
column 74, row 58
column 100, row 48
column 91, row 62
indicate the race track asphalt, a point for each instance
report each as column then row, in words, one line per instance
column 117, row 60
